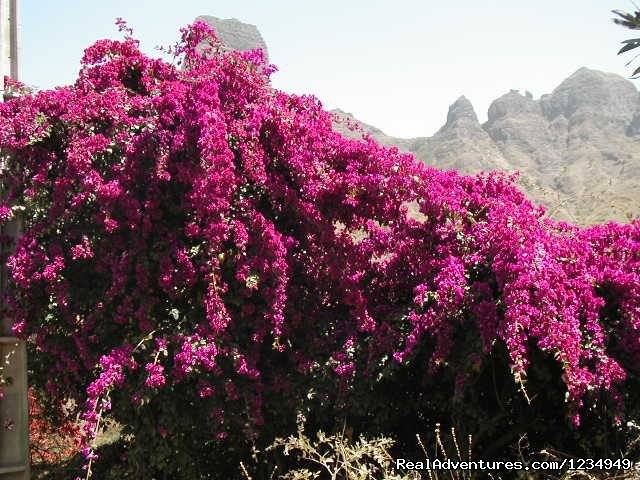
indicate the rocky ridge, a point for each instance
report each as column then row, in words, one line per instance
column 577, row 149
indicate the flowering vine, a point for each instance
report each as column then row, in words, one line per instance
column 231, row 226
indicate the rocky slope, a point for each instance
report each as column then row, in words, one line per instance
column 577, row 148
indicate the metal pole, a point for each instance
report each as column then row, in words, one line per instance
column 14, row 421
column 14, row 38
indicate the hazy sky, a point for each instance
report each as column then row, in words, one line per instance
column 396, row 64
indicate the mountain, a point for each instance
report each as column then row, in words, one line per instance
column 236, row 34
column 577, row 148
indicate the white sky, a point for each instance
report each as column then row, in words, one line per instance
column 396, row 65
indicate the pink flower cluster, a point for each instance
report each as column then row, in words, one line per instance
column 204, row 209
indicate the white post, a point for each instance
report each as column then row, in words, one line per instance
column 14, row 421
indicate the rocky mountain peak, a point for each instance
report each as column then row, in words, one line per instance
column 235, row 34
column 461, row 109
column 587, row 93
column 512, row 103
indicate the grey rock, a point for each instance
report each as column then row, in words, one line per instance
column 461, row 110
column 461, row 144
column 236, row 34
column 610, row 98
column 512, row 103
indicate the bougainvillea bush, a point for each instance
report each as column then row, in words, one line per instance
column 206, row 261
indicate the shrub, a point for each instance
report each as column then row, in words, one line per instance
column 204, row 258
column 336, row 457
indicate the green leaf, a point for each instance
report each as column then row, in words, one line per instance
column 627, row 20
column 630, row 45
